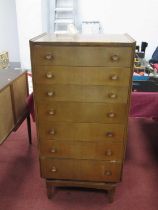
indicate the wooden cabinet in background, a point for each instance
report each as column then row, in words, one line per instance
column 82, row 88
column 13, row 101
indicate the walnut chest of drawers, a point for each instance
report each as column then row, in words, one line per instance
column 82, row 88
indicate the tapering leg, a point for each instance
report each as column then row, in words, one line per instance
column 111, row 194
column 49, row 189
column 29, row 128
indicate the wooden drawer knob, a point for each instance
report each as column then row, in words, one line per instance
column 111, row 115
column 114, row 77
column 52, row 132
column 49, row 57
column 50, row 93
column 112, row 95
column 114, row 58
column 51, row 112
column 53, row 169
column 109, row 134
column 53, row 150
column 49, row 75
column 108, row 152
column 108, row 173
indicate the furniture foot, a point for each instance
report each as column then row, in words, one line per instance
column 29, row 128
column 50, row 189
column 111, row 194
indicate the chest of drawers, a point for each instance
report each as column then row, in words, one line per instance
column 82, row 89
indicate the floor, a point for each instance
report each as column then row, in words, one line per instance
column 21, row 187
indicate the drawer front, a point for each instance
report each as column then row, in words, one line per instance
column 83, row 56
column 20, row 93
column 82, row 93
column 82, row 150
column 6, row 113
column 87, row 170
column 81, row 131
column 82, row 112
column 82, row 75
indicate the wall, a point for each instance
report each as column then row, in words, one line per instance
column 29, row 18
column 138, row 18
column 8, row 30
column 45, row 15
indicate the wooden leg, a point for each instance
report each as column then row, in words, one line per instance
column 111, row 194
column 50, row 189
column 29, row 128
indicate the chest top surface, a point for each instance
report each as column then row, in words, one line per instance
column 84, row 40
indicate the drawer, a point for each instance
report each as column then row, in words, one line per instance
column 82, row 150
column 20, row 93
column 82, row 75
column 82, row 93
column 88, row 170
column 83, row 56
column 81, row 131
column 82, row 112
column 6, row 113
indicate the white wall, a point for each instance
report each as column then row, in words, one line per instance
column 8, row 30
column 138, row 18
column 45, row 15
column 29, row 19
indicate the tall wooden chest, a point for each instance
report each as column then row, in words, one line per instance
column 82, row 86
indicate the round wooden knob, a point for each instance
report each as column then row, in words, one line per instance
column 108, row 152
column 53, row 150
column 111, row 115
column 108, row 173
column 112, row 95
column 52, row 132
column 49, row 57
column 53, row 169
column 49, row 75
column 50, row 93
column 114, row 58
column 51, row 112
column 114, row 77
column 109, row 134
